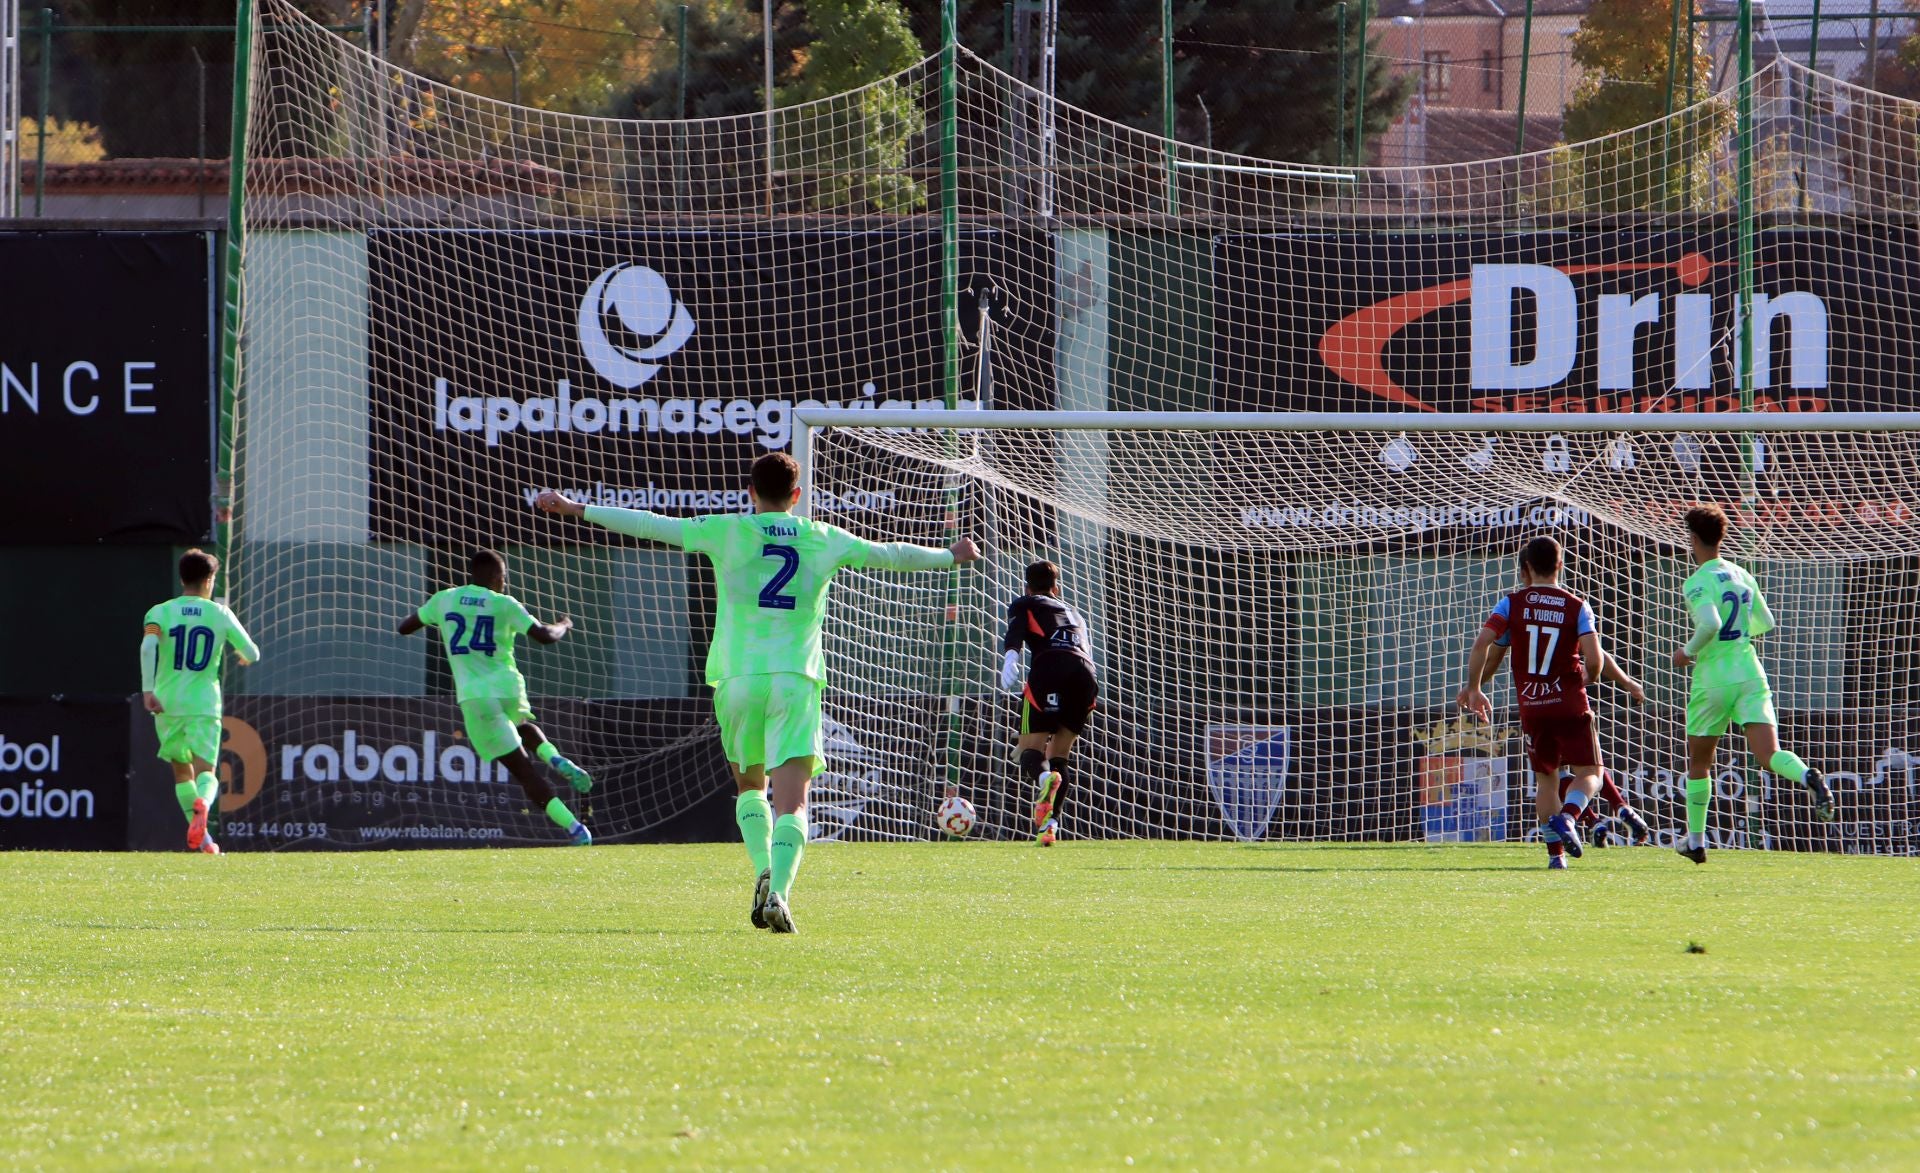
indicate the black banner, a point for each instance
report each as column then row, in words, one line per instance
column 638, row 369
column 63, row 775
column 106, row 386
column 1562, row 321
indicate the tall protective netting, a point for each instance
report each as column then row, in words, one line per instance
column 452, row 303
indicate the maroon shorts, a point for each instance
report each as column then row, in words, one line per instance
column 1553, row 742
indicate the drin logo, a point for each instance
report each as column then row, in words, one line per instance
column 628, row 318
column 1354, row 347
column 21, row 798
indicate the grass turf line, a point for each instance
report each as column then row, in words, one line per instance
column 963, row 1005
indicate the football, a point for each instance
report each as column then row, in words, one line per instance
column 955, row 817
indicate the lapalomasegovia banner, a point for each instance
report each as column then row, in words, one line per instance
column 634, row 369
column 1578, row 321
column 106, row 386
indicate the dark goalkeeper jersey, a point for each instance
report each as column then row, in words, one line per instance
column 1044, row 625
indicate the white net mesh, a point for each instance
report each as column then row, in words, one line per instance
column 453, row 303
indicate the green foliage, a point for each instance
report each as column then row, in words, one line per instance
column 856, row 148
column 980, row 1006
column 1621, row 49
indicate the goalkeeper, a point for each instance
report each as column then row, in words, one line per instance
column 771, row 572
column 1729, row 685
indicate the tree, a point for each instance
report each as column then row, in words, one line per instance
column 1878, row 132
column 1621, row 49
column 143, row 89
column 566, row 55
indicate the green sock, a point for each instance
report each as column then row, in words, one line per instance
column 561, row 816
column 755, row 817
column 1699, row 794
column 1788, row 765
column 185, row 792
column 209, row 787
column 547, row 752
column 789, row 843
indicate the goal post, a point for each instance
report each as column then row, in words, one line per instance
column 1280, row 606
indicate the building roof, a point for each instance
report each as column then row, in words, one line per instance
column 1514, row 9
column 1456, row 134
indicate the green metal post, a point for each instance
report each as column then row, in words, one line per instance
column 230, row 284
column 1666, row 124
column 1340, row 90
column 1806, row 112
column 1526, row 66
column 46, row 99
column 1166, row 105
column 950, row 331
column 1743, row 304
column 1687, row 191
column 1360, row 95
column 683, row 61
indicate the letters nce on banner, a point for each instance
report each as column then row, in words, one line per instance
column 1564, row 322
column 640, row 369
column 106, row 386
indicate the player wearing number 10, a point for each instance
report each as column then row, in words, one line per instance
column 180, row 657
column 771, row 574
column 479, row 622
column 1729, row 685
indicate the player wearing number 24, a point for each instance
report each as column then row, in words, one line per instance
column 771, row 574
column 180, row 658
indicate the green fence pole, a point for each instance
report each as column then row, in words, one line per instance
column 1340, row 90
column 1360, row 94
column 1743, row 307
column 230, row 284
column 683, row 62
column 1806, row 106
column 1526, row 66
column 1666, row 123
column 950, row 330
column 46, row 99
column 1166, row 105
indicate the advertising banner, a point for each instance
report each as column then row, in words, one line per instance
column 1608, row 320
column 643, row 370
column 63, row 775
column 106, row 386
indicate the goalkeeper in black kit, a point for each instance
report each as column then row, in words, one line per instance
column 1060, row 692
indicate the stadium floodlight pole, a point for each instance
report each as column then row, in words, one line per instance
column 231, row 281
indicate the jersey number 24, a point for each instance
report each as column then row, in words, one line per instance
column 482, row 641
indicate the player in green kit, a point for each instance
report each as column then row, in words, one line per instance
column 1729, row 685
column 180, row 657
column 478, row 623
column 772, row 571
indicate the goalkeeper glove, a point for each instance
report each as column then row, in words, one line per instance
column 1010, row 671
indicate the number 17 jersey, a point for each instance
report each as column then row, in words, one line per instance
column 1543, row 625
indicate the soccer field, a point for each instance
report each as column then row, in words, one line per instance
column 961, row 1006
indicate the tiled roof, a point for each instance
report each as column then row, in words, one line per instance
column 1456, row 134
column 1515, row 9
column 400, row 173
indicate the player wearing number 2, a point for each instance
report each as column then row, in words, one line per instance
column 1729, row 685
column 771, row 574
column 1556, row 656
column 180, row 658
column 478, row 623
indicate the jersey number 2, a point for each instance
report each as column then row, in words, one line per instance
column 482, row 640
column 192, row 648
column 770, row 596
column 1730, row 629
column 1539, row 660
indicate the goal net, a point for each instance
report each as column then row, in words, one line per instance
column 453, row 302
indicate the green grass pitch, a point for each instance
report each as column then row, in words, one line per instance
column 961, row 1006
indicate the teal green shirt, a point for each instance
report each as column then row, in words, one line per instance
column 771, row 572
column 194, row 636
column 478, row 627
column 1726, row 597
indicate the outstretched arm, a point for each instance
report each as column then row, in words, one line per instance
column 1611, row 670
column 907, row 556
column 1471, row 699
column 635, row 523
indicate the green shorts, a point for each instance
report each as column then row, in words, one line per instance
column 770, row 719
column 183, row 739
column 493, row 725
column 1743, row 702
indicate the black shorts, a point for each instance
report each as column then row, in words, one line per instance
column 1061, row 693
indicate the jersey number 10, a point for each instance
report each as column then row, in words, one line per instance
column 192, row 648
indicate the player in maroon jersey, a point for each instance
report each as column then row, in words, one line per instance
column 1557, row 654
